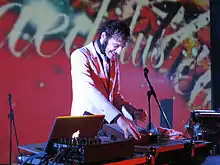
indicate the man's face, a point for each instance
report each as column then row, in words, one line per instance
column 113, row 47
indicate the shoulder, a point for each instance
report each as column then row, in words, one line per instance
column 87, row 50
column 82, row 54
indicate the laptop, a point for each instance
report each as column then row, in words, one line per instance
column 64, row 127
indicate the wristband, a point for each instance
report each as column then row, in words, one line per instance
column 116, row 118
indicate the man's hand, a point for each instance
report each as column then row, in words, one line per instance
column 171, row 133
column 140, row 114
column 128, row 126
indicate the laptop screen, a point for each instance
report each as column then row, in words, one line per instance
column 66, row 126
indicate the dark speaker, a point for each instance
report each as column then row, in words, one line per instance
column 167, row 106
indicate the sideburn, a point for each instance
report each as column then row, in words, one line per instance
column 102, row 46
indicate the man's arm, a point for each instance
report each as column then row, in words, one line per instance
column 119, row 101
column 82, row 81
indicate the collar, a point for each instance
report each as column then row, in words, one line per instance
column 103, row 56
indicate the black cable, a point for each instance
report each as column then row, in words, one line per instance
column 43, row 160
column 32, row 157
column 58, row 156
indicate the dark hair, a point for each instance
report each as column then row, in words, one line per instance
column 115, row 28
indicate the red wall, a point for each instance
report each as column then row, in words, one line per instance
column 41, row 86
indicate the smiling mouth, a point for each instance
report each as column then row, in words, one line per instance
column 114, row 54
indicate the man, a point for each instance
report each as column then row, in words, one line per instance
column 96, row 78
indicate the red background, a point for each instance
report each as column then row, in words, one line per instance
column 41, row 90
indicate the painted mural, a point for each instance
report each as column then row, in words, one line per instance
column 169, row 37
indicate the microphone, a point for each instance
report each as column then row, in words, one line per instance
column 9, row 100
column 146, row 71
column 9, row 97
column 149, row 93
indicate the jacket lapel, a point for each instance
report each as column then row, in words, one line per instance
column 112, row 75
column 98, row 65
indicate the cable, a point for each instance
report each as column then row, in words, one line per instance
column 32, row 157
column 44, row 160
column 58, row 156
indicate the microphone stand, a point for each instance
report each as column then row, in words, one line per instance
column 149, row 94
column 12, row 121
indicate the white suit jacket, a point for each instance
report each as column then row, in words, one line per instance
column 92, row 90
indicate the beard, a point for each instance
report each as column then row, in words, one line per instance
column 102, row 46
